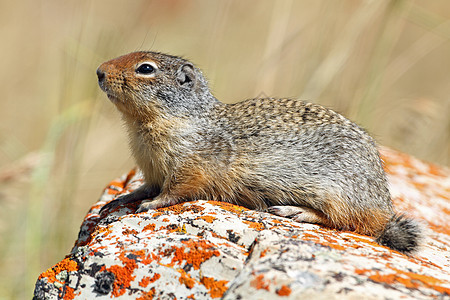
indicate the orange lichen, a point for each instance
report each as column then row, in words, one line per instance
column 408, row 279
column 115, row 187
column 435, row 170
column 362, row 239
column 343, row 243
column 216, row 287
column 65, row 265
column 156, row 214
column 174, row 228
column 284, row 291
column 155, row 257
column 138, row 252
column 263, row 253
column 129, row 231
column 439, row 228
column 335, row 246
column 213, row 234
column 118, row 185
column 422, row 261
column 100, row 230
column 147, row 259
column 362, row 271
column 181, row 208
column 392, row 278
column 147, row 280
column 147, row 295
column 186, row 279
column 144, row 281
column 392, row 158
column 69, row 293
column 254, row 224
column 123, row 275
column 260, row 283
column 309, row 236
column 229, row 207
column 419, row 185
column 198, row 252
column 155, row 277
column 413, row 280
column 208, row 219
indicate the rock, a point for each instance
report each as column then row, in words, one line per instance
column 208, row 249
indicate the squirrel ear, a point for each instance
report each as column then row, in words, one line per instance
column 186, row 76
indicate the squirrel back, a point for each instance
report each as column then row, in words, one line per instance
column 290, row 157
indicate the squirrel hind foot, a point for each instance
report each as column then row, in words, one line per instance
column 402, row 234
column 301, row 214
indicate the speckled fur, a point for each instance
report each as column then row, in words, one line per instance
column 288, row 156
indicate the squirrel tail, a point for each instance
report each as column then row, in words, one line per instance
column 401, row 234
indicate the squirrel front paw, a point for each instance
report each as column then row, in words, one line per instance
column 145, row 206
column 158, row 202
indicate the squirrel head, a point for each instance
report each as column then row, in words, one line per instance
column 142, row 84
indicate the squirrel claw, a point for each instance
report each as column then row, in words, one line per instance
column 283, row 211
column 111, row 205
column 301, row 214
column 145, row 206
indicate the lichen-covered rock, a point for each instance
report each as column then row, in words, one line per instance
column 207, row 249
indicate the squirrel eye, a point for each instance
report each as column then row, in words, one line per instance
column 145, row 69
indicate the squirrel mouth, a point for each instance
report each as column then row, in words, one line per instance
column 112, row 98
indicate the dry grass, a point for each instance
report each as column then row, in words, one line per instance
column 385, row 64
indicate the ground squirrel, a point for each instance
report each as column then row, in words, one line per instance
column 285, row 156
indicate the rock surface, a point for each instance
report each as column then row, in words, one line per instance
column 207, row 249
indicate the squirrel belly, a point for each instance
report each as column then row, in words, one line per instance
column 292, row 158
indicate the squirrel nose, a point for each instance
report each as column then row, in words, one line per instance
column 100, row 75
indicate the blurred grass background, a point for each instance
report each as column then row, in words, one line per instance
column 384, row 64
